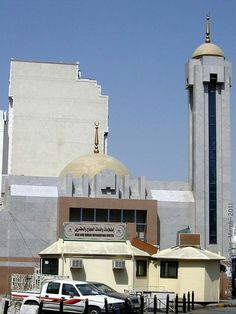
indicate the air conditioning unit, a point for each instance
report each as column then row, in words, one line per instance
column 118, row 264
column 76, row 263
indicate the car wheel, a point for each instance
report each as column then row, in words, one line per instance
column 94, row 310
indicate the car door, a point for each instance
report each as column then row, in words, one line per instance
column 52, row 290
column 72, row 299
column 51, row 297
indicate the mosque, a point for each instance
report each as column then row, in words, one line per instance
column 56, row 170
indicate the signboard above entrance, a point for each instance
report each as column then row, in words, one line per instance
column 94, row 231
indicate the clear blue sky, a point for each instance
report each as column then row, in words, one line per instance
column 136, row 50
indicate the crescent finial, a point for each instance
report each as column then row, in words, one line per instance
column 96, row 140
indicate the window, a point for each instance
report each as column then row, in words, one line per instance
column 141, row 216
column 128, row 216
column 87, row 289
column 53, row 287
column 141, row 268
column 75, row 214
column 141, row 231
column 68, row 289
column 115, row 215
column 138, row 217
column 102, row 215
column 50, row 266
column 212, row 160
column 88, row 214
column 169, row 269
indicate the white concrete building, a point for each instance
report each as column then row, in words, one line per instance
column 51, row 113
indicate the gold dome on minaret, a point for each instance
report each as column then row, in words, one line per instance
column 208, row 48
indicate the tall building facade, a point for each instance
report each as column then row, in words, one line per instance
column 203, row 204
column 51, row 110
column 208, row 80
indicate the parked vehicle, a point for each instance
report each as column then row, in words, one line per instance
column 132, row 300
column 74, row 295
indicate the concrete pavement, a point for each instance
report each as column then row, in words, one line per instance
column 225, row 306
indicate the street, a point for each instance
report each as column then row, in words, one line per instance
column 215, row 310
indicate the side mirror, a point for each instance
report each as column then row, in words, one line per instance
column 71, row 294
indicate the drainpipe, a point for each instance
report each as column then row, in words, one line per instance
column 134, row 267
column 62, row 256
column 133, row 263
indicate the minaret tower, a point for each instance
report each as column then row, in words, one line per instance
column 208, row 81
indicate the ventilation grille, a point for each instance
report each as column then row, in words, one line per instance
column 118, row 264
column 76, row 263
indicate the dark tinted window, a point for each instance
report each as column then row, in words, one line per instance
column 87, row 289
column 141, row 268
column 169, row 269
column 141, row 216
column 141, row 231
column 68, row 289
column 102, row 215
column 88, row 214
column 53, row 287
column 212, row 161
column 75, row 214
column 115, row 215
column 50, row 266
column 128, row 216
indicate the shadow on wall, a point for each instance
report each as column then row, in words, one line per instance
column 212, row 271
column 121, row 276
column 78, row 274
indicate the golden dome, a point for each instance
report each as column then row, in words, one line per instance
column 207, row 49
column 94, row 164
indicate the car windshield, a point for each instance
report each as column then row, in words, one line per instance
column 103, row 288
column 87, row 289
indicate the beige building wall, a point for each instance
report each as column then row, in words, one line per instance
column 152, row 276
column 101, row 270
column 141, row 283
column 202, row 277
column 192, row 278
column 212, row 281
column 51, row 117
column 166, row 284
